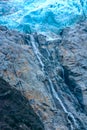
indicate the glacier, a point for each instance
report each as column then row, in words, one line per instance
column 41, row 15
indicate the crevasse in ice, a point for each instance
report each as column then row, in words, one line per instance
column 41, row 15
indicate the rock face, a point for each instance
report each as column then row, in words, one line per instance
column 15, row 110
column 51, row 73
column 73, row 57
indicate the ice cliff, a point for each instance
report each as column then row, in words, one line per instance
column 41, row 15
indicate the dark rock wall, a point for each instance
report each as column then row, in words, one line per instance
column 15, row 110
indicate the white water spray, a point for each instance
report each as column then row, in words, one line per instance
column 36, row 51
column 72, row 123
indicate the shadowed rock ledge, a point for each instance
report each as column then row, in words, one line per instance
column 15, row 110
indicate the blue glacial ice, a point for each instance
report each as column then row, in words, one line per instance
column 41, row 15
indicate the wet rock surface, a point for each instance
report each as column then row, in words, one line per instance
column 73, row 53
column 15, row 110
column 50, row 72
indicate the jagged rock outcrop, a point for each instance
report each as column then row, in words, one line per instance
column 51, row 73
column 15, row 110
column 73, row 58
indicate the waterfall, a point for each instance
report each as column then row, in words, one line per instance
column 69, row 114
column 70, row 117
column 36, row 51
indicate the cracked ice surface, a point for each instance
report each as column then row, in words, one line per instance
column 41, row 15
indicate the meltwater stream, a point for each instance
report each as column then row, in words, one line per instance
column 70, row 117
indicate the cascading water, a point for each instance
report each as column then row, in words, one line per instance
column 36, row 51
column 70, row 117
